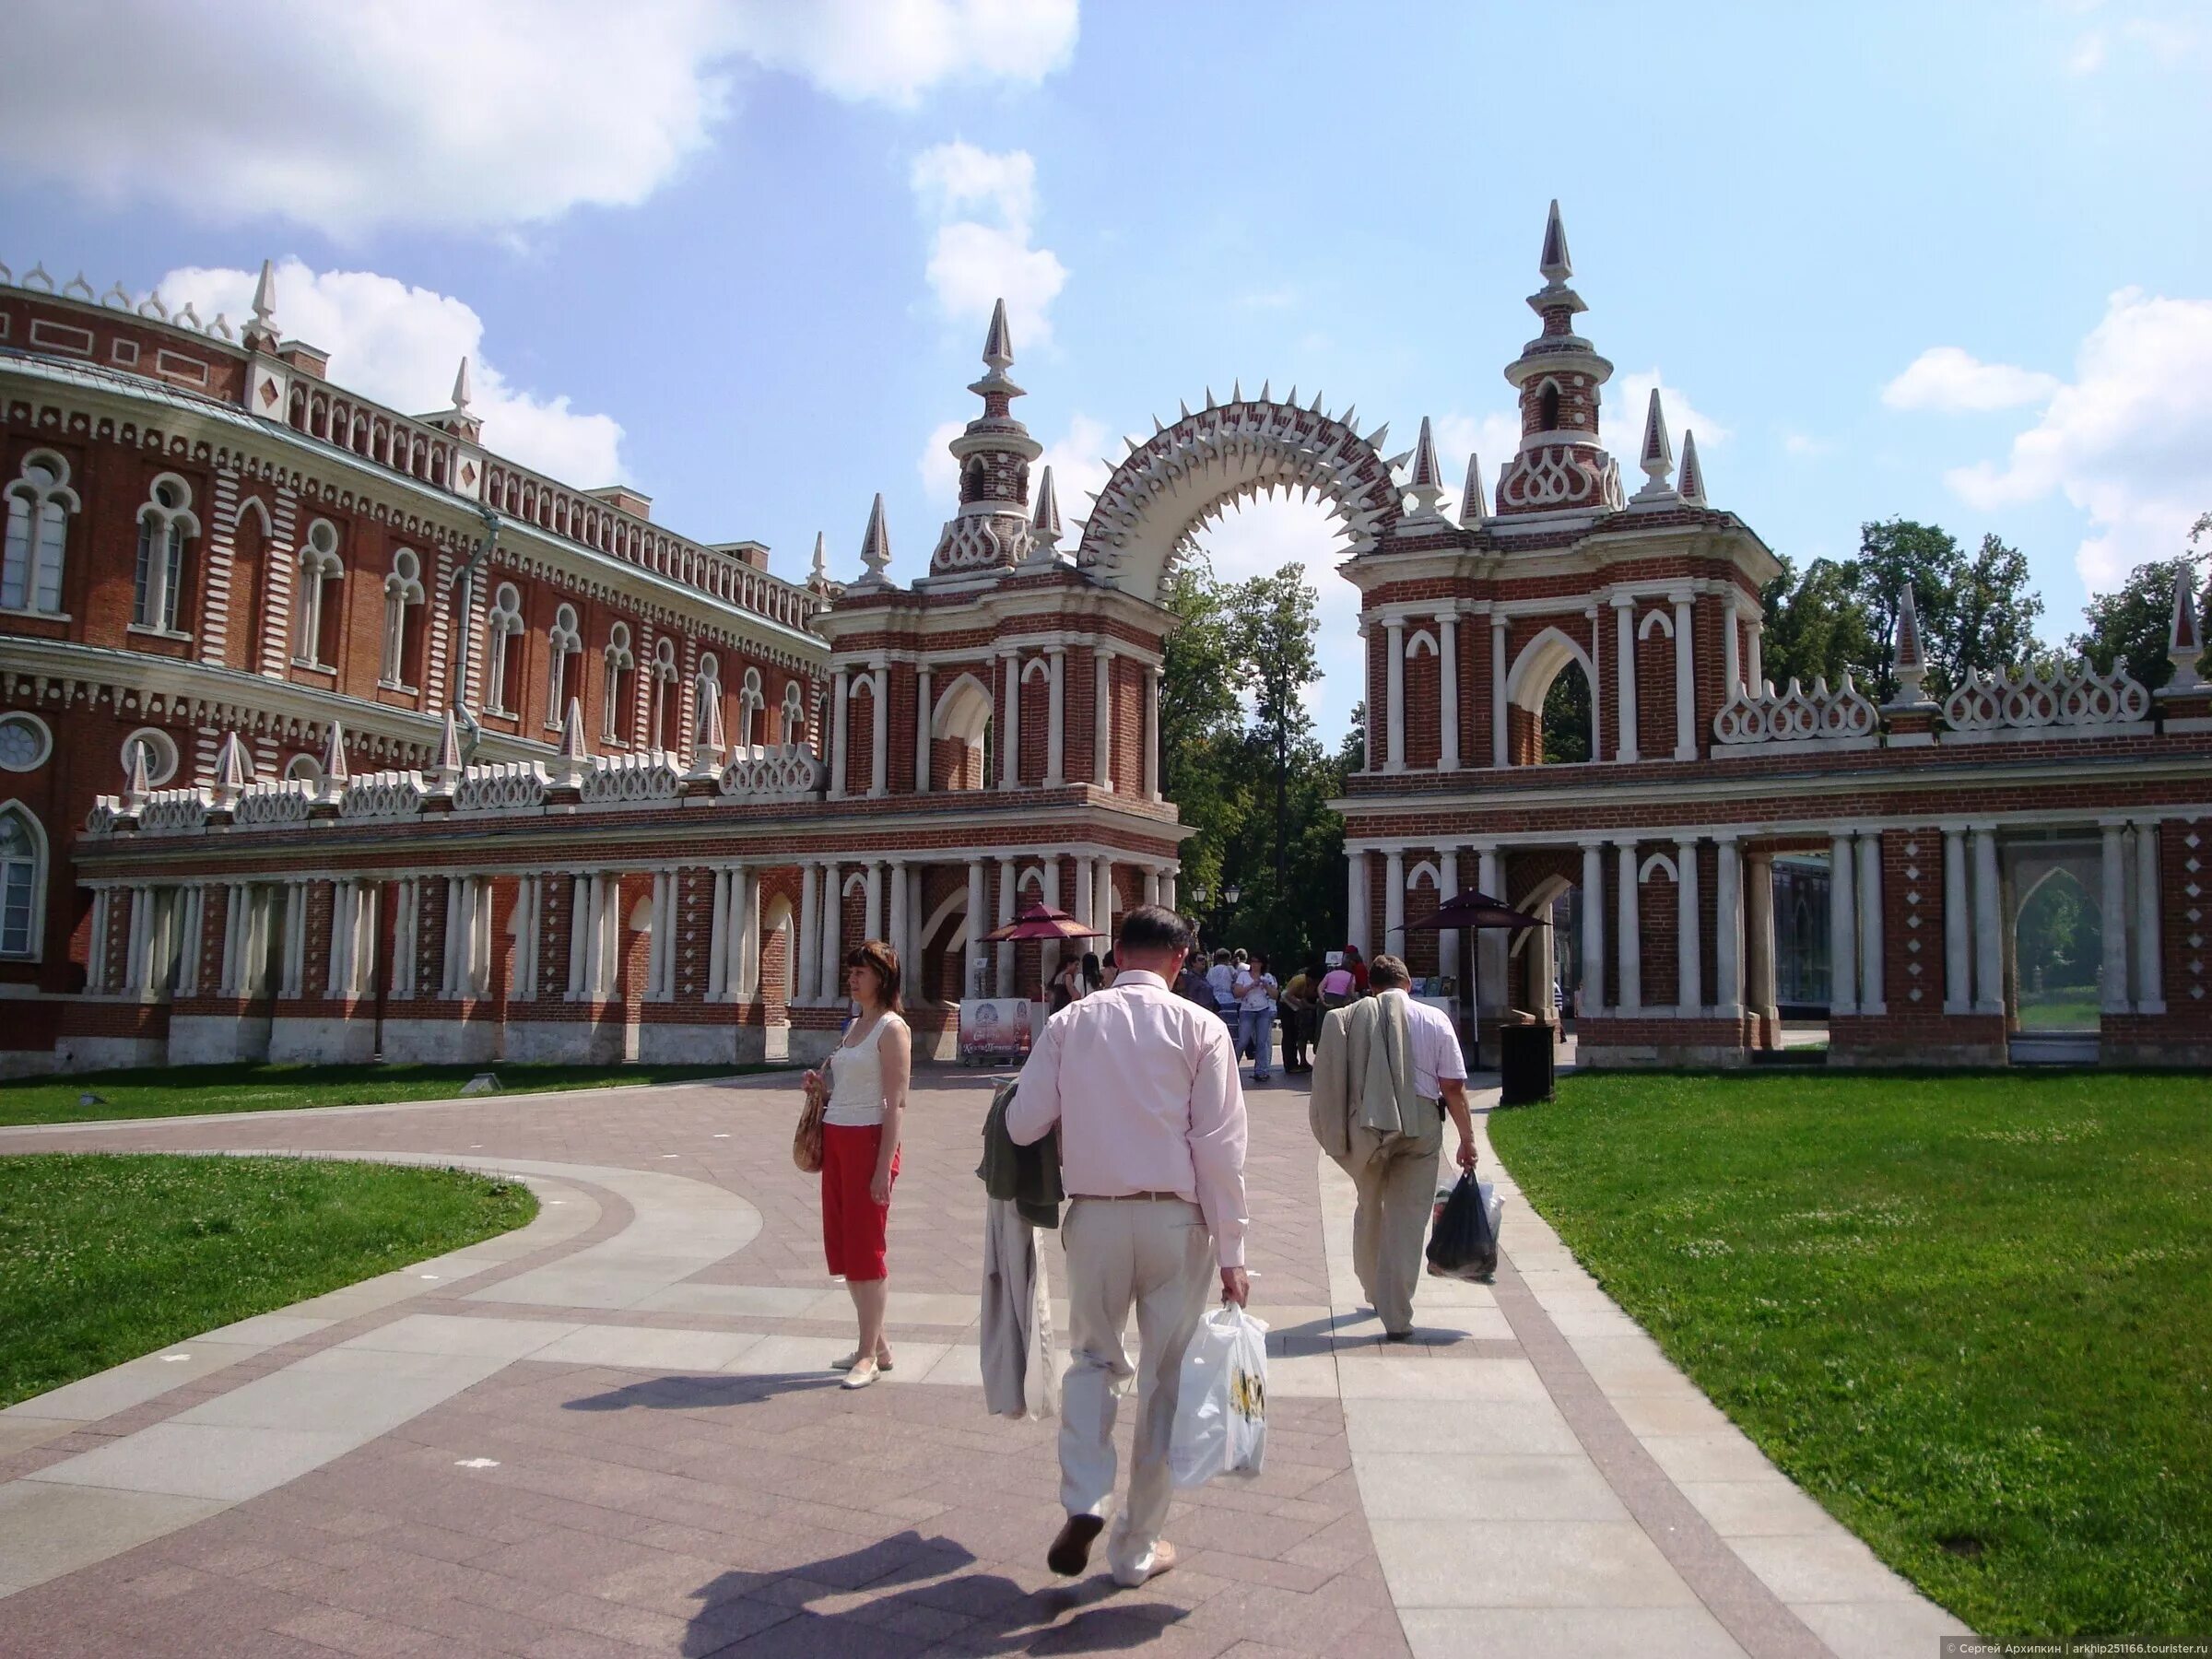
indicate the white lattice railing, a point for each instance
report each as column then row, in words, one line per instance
column 502, row 786
column 387, row 794
column 632, row 781
column 778, row 772
column 1795, row 715
column 2076, row 695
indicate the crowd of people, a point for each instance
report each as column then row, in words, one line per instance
column 1132, row 1092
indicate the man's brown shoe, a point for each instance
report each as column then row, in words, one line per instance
column 1163, row 1558
column 1070, row 1552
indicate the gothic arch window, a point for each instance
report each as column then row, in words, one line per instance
column 974, row 480
column 318, row 617
column 1547, row 407
column 165, row 524
column 664, row 690
column 303, row 769
column 1552, row 712
column 39, row 504
column 22, row 883
column 563, row 645
column 402, row 668
column 795, row 714
column 706, row 688
column 749, row 707
column 622, row 667
column 503, row 652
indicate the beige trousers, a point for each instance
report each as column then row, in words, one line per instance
column 1157, row 1256
column 1390, row 1230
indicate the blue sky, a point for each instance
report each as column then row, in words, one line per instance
column 1944, row 260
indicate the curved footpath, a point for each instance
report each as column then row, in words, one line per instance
column 610, row 1433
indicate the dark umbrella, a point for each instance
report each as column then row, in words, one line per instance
column 1041, row 921
column 1477, row 910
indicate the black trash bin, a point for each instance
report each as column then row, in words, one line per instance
column 1524, row 1056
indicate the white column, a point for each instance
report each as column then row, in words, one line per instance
column 833, row 987
column 1085, row 893
column 133, row 956
column 1732, row 663
column 456, row 930
column 1055, row 729
column 1594, row 927
column 1499, row 736
column 1355, row 900
column 924, row 710
column 1597, row 655
column 873, row 926
column 609, row 911
column 1490, row 943
column 1989, row 924
column 1152, row 729
column 1873, row 963
column 1393, row 671
column 1754, row 672
column 1842, row 929
column 978, row 925
column 1394, row 902
column 1728, row 930
column 879, row 747
column 900, row 945
column 2115, row 919
column 2150, row 991
column 1049, row 956
column 1690, row 957
column 580, row 909
column 1167, row 887
column 660, row 956
column 1686, row 680
column 1101, row 719
column 1152, row 881
column 1009, row 736
column 1447, row 889
column 1101, row 900
column 1005, row 914
column 196, row 940
column 523, row 987
column 839, row 715
column 1628, row 928
column 1958, row 948
column 718, row 939
column 295, row 935
column 1758, row 904
column 809, row 932
column 745, row 934
column 1447, row 633
column 1624, row 613
column 96, row 971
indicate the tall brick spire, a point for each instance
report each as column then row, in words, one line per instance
column 1561, row 465
column 992, row 528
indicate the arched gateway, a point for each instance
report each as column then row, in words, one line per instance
column 988, row 733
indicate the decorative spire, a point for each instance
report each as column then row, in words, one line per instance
column 874, row 545
column 135, row 785
column 819, row 576
column 2185, row 635
column 1658, row 456
column 574, row 760
column 1044, row 527
column 1554, row 263
column 1426, row 483
column 446, row 770
column 998, row 344
column 337, row 774
column 1561, row 465
column 1908, row 661
column 1474, row 500
column 461, row 387
column 261, row 332
column 233, row 771
column 1690, row 485
column 707, row 745
column 992, row 454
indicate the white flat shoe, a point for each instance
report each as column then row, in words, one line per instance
column 850, row 1360
column 861, row 1373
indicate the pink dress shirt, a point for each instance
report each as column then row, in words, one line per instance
column 1143, row 1087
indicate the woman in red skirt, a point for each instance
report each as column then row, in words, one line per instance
column 868, row 1076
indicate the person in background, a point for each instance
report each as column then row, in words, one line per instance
column 868, row 1077
column 1257, row 992
column 1109, row 970
column 1358, row 964
column 1143, row 1088
column 1301, row 998
column 1078, row 976
column 1222, row 977
column 1189, row 984
column 1338, row 988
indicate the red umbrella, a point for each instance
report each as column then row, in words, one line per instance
column 1042, row 921
column 1477, row 910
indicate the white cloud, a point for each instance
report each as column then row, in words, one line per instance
column 1806, row 446
column 2087, row 55
column 1630, row 396
column 1495, row 436
column 492, row 115
column 1261, row 536
column 1948, row 380
column 984, row 206
column 400, row 346
column 2128, row 440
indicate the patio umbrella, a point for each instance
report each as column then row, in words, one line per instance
column 1477, row 909
column 1041, row 921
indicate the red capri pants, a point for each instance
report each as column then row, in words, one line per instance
column 852, row 1223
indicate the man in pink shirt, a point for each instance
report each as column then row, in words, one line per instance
column 1143, row 1087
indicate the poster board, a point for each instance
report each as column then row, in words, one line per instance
column 997, row 1030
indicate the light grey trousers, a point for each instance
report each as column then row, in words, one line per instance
column 1390, row 1230
column 1157, row 1256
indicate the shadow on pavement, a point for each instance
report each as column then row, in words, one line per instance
column 694, row 1392
column 908, row 1593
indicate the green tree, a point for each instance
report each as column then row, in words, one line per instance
column 1816, row 626
column 1351, row 754
column 2131, row 624
column 1274, row 619
column 1567, row 718
column 1992, row 614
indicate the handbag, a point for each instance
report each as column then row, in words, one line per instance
column 807, row 1139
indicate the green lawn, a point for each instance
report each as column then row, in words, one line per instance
column 105, row 1258
column 161, row 1091
column 1971, row 1315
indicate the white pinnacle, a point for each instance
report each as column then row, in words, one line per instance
column 1474, row 500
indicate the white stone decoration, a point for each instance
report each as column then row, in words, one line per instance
column 2073, row 696
column 284, row 802
column 1796, row 715
column 172, row 811
column 780, row 772
column 632, row 781
column 502, row 786
column 384, row 794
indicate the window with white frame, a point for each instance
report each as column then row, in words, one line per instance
column 303, row 769
column 318, row 616
column 402, row 622
column 562, row 645
column 620, row 666
column 503, row 652
column 25, row 743
column 22, row 883
column 165, row 524
column 795, row 714
column 664, row 692
column 749, row 707
column 160, row 754
column 39, row 504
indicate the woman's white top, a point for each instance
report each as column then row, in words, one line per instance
column 1258, row 990
column 856, row 1079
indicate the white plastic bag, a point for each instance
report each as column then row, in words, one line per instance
column 1493, row 1206
column 1221, row 1403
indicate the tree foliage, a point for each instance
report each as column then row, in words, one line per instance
column 2131, row 624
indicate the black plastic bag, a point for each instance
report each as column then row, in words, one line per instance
column 1462, row 1245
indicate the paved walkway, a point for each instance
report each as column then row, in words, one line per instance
column 611, row 1433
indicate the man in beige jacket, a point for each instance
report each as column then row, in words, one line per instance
column 1385, row 1072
